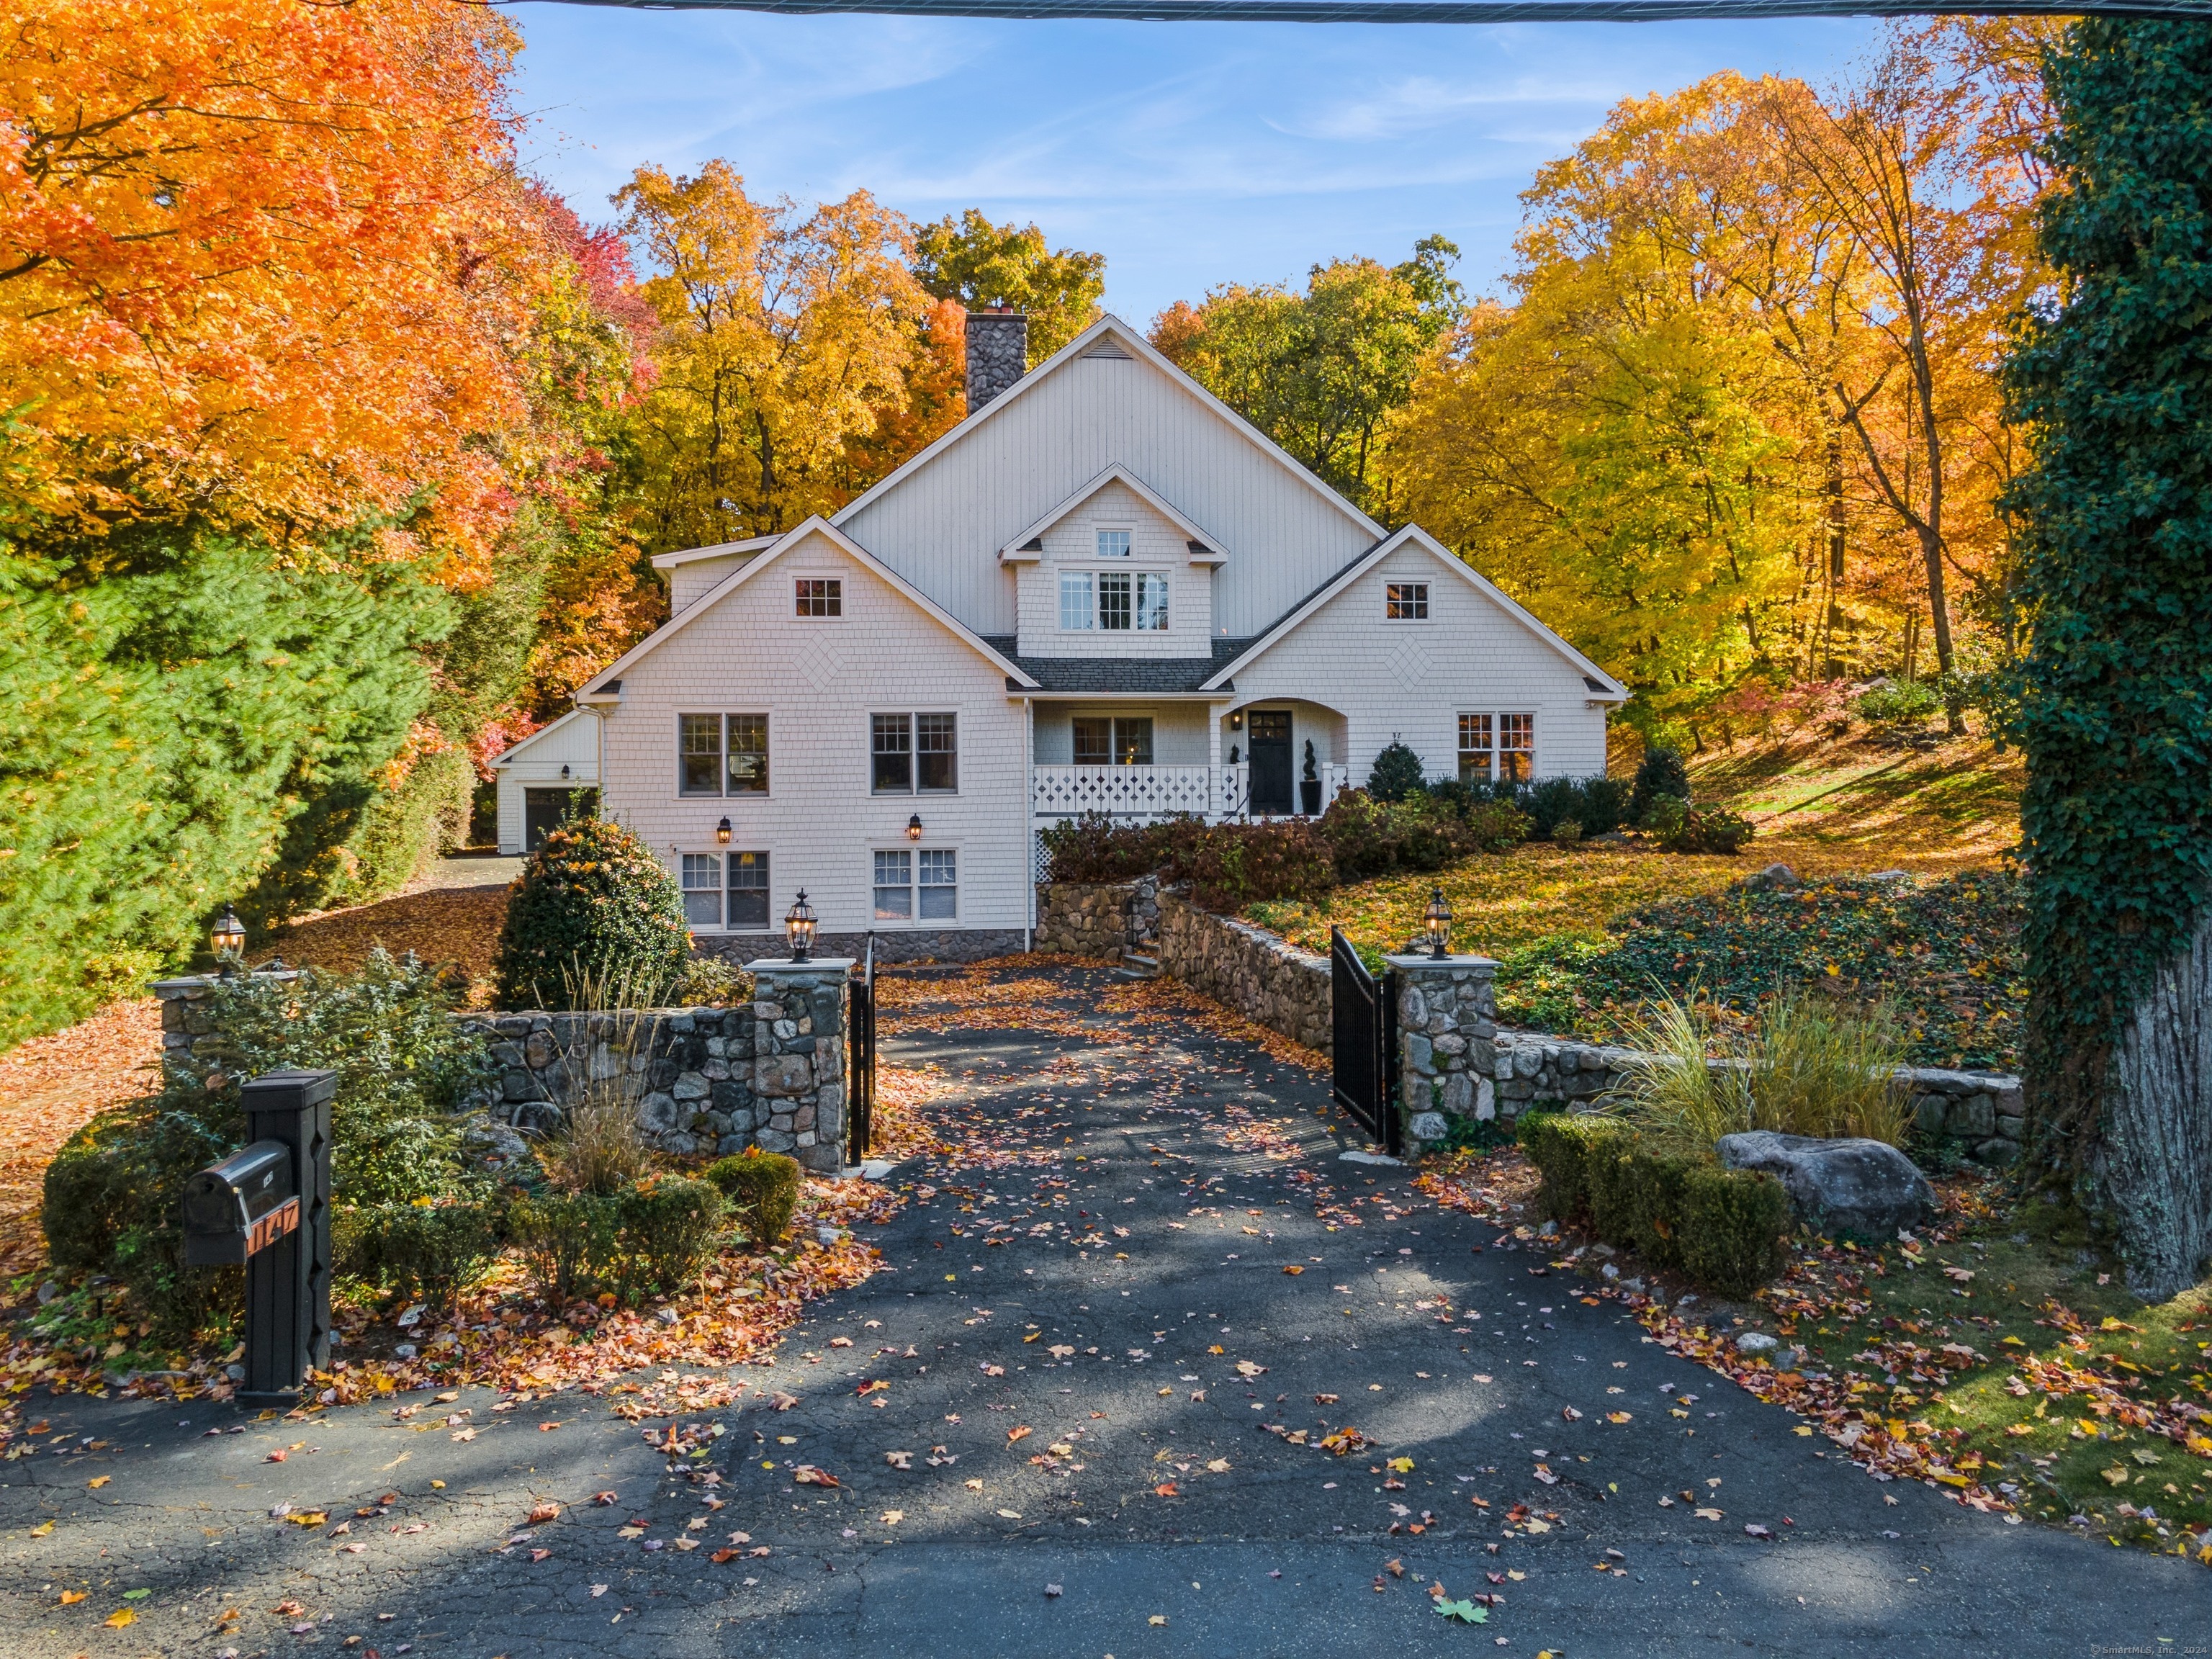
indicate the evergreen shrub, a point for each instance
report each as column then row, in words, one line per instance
column 653, row 1237
column 593, row 907
column 1396, row 774
column 1732, row 1225
column 762, row 1189
column 433, row 1251
column 1707, row 829
column 1661, row 772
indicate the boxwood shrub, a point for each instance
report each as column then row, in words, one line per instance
column 763, row 1188
column 433, row 1251
column 1723, row 1227
column 653, row 1237
column 593, row 912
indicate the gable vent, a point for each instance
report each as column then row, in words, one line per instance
column 1108, row 347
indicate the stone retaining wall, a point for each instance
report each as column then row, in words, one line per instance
column 1083, row 918
column 1248, row 971
column 770, row 1074
column 1455, row 1060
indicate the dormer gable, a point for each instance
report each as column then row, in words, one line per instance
column 1107, row 497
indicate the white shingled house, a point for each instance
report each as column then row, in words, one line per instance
column 1102, row 590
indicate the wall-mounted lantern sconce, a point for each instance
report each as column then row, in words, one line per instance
column 913, row 828
column 564, row 771
column 1236, row 720
column 722, row 833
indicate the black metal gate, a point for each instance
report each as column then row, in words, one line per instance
column 860, row 1070
column 1363, row 1030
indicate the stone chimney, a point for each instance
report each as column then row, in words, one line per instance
column 998, row 352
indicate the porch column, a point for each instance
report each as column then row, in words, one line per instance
column 1215, row 793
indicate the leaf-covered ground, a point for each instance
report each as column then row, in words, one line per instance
column 1993, row 1357
column 1944, row 955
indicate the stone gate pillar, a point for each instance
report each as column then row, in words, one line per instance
column 1447, row 1025
column 798, row 1059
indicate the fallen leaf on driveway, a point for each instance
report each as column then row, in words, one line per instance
column 1294, row 1271
column 1166, row 1489
column 98, row 1481
column 1465, row 1612
column 1061, row 1351
column 629, row 1532
column 308, row 1517
column 119, row 1618
column 720, row 1556
column 603, row 1499
column 1157, row 1618
column 276, row 1456
column 1246, row 1368
column 807, row 1475
column 994, row 1370
column 892, row 1518
column 42, row 1530
column 1570, row 1414
column 899, row 1459
column 1019, row 1432
column 1403, row 1465
column 547, row 1510
column 1623, row 1416
column 1710, row 1515
column 70, row 1598
column 1753, row 1529
column 1396, row 1569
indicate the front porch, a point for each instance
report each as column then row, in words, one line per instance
column 1212, row 793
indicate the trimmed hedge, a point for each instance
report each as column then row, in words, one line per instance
column 1723, row 1227
column 762, row 1190
column 653, row 1236
column 431, row 1250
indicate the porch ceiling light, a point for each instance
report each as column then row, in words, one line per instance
column 228, row 940
column 722, row 832
column 913, row 828
column 798, row 928
column 1438, row 919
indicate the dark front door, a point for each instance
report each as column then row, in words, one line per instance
column 1271, row 761
column 543, row 808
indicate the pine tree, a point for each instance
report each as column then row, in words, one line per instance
column 2114, row 384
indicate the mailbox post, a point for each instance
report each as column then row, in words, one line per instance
column 269, row 1207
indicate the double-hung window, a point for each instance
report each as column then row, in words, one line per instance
column 1497, row 747
column 721, row 754
column 1116, row 601
column 911, row 753
column 923, row 884
column 726, row 888
column 1102, row 742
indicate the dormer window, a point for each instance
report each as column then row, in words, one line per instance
column 1113, row 543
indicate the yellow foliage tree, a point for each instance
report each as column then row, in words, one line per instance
column 784, row 334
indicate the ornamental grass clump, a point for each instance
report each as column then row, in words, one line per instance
column 1822, row 1068
column 1679, row 1101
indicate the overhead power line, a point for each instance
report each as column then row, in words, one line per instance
column 1434, row 11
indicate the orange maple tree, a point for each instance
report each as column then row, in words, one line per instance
column 260, row 261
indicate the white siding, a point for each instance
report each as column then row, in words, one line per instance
column 1414, row 679
column 572, row 741
column 818, row 680
column 1156, row 547
column 692, row 580
column 941, row 525
column 1178, row 730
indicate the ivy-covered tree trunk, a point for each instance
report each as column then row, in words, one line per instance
column 2114, row 380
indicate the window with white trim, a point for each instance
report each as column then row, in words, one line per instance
column 721, row 754
column 923, row 885
column 911, row 754
column 1115, row 601
column 1405, row 601
column 724, row 889
column 819, row 596
column 1499, row 748
column 1113, row 543
column 1124, row 741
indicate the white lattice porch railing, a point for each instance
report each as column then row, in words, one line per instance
column 1141, row 792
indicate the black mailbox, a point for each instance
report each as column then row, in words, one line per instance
column 242, row 1206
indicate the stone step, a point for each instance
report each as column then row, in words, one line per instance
column 1135, row 964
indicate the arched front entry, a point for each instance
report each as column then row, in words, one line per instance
column 1289, row 752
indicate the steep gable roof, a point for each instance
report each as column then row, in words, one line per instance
column 1108, row 329
column 1603, row 687
column 609, row 678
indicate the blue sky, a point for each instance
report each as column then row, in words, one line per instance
column 1190, row 154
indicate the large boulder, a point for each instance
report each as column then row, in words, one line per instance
column 1864, row 1189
